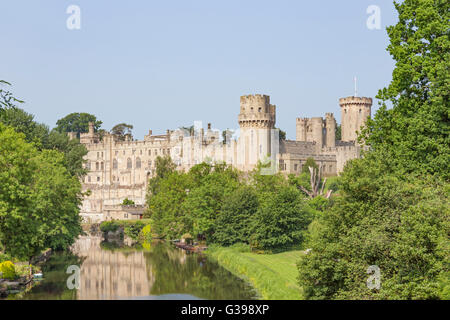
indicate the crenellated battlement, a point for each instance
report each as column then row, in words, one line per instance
column 355, row 101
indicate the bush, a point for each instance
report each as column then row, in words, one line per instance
column 107, row 226
column 8, row 270
column 280, row 221
column 134, row 229
column 234, row 221
column 146, row 233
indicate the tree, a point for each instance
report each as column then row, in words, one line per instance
column 393, row 209
column 7, row 100
column 203, row 203
column 280, row 221
column 165, row 207
column 39, row 198
column 414, row 134
column 338, row 132
column 164, row 167
column 122, row 131
column 77, row 122
column 235, row 217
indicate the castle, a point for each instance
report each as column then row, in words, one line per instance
column 121, row 169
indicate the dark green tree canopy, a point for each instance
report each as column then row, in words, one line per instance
column 122, row 131
column 77, row 122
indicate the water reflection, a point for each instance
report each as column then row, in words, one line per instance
column 112, row 270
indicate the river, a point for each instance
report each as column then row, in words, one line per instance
column 112, row 270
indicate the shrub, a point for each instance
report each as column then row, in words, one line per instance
column 107, row 226
column 8, row 270
column 133, row 229
column 146, row 233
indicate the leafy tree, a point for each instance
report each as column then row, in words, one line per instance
column 122, row 131
column 39, row 199
column 393, row 208
column 204, row 203
column 77, row 122
column 164, row 167
column 39, row 134
column 281, row 220
column 234, row 219
column 165, row 207
column 7, row 100
column 338, row 132
column 413, row 136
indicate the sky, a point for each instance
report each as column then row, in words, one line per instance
column 164, row 64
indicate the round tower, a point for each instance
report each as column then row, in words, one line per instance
column 256, row 120
column 355, row 111
column 317, row 131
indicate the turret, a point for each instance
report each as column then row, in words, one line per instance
column 355, row 111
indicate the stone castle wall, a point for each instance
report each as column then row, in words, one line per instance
column 122, row 169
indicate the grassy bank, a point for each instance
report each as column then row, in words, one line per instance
column 272, row 275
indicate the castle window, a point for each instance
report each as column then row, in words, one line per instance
column 129, row 164
column 98, row 179
column 140, row 152
column 138, row 163
column 98, row 155
column 359, row 110
column 259, row 109
column 345, row 110
column 89, row 178
column 101, row 165
column 149, row 163
column 96, row 166
column 295, row 167
column 149, row 152
column 156, row 152
column 115, row 164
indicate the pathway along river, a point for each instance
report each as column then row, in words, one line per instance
column 152, row 271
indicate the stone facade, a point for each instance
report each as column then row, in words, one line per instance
column 121, row 169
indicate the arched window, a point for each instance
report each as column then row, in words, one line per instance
column 115, row 164
column 129, row 163
column 138, row 163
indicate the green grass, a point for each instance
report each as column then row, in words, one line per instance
column 274, row 276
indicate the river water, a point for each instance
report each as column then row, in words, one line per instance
column 112, row 270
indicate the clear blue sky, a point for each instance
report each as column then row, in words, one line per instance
column 165, row 64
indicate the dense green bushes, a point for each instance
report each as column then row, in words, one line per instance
column 131, row 228
column 393, row 205
column 215, row 203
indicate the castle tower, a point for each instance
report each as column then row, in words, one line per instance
column 256, row 120
column 301, row 129
column 316, row 131
column 355, row 111
column 330, row 124
column 91, row 128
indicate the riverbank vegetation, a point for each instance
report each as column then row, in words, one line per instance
column 40, row 191
column 274, row 276
column 135, row 229
column 393, row 208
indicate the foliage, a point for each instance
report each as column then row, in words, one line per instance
column 164, row 167
column 39, row 199
column 165, row 206
column 7, row 100
column 338, row 132
column 77, row 122
column 203, row 203
column 413, row 136
column 146, row 234
column 393, row 205
column 235, row 218
column 128, row 202
column 7, row 270
column 122, row 131
column 133, row 230
column 280, row 220
column 40, row 135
